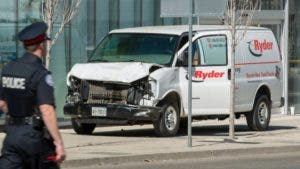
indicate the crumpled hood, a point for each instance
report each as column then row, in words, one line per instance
column 124, row 72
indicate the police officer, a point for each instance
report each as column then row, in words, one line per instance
column 26, row 95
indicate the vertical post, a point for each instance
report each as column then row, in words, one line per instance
column 91, row 26
column 285, row 53
column 17, row 28
column 68, row 46
column 190, row 74
column 232, row 83
column 286, row 50
column 68, row 43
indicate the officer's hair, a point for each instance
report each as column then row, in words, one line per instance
column 31, row 48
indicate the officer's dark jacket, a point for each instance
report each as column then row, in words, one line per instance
column 26, row 84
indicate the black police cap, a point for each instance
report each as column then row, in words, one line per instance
column 33, row 34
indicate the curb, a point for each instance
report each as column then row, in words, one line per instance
column 179, row 155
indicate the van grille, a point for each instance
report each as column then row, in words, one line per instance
column 106, row 93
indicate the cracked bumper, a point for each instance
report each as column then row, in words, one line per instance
column 112, row 112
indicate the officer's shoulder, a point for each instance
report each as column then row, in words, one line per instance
column 45, row 74
column 40, row 75
column 8, row 66
column 42, row 70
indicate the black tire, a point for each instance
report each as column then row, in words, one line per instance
column 168, row 123
column 82, row 128
column 259, row 118
column 184, row 123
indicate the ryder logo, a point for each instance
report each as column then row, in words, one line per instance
column 257, row 47
column 199, row 76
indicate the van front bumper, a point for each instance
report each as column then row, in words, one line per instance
column 113, row 112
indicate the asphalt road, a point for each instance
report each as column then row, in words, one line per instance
column 262, row 161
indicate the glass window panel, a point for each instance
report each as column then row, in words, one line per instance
column 29, row 11
column 268, row 4
column 294, row 57
column 59, row 73
column 148, row 12
column 114, row 14
column 272, row 5
column 8, row 44
column 195, row 54
column 213, row 50
column 102, row 19
column 126, row 13
column 79, row 35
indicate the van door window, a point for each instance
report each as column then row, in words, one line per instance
column 195, row 57
column 213, row 50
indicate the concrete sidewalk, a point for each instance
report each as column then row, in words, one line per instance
column 210, row 138
column 110, row 145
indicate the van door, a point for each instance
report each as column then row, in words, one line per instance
column 210, row 80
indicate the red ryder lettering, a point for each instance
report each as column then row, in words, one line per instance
column 205, row 75
column 261, row 46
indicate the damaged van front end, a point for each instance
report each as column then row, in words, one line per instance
column 119, row 93
column 124, row 82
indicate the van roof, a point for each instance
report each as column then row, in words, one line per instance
column 179, row 29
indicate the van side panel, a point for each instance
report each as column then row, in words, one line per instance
column 258, row 63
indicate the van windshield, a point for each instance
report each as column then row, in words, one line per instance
column 148, row 48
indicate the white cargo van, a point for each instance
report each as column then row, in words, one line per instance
column 139, row 75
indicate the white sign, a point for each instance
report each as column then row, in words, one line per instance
column 210, row 7
column 174, row 8
column 180, row 8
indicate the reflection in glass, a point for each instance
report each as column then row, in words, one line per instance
column 29, row 11
column 136, row 48
column 7, row 32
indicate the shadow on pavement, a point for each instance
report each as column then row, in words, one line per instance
column 272, row 128
column 220, row 130
column 223, row 129
column 214, row 142
column 128, row 133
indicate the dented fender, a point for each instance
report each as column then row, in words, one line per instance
column 167, row 81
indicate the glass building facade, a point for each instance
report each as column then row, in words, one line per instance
column 97, row 17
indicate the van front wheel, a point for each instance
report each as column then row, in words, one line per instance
column 168, row 123
column 259, row 118
column 82, row 128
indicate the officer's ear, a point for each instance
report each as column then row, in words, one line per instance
column 32, row 48
column 44, row 44
column 43, row 47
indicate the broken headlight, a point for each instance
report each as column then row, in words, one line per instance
column 74, row 82
column 74, row 98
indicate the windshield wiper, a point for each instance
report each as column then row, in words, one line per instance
column 132, row 61
column 100, row 60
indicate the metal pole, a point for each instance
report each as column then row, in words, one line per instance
column 232, row 83
column 285, row 50
column 17, row 28
column 190, row 74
